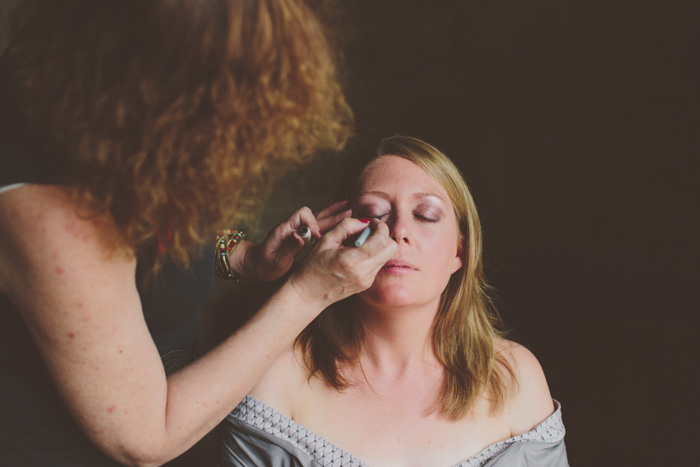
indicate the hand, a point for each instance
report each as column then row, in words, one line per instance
column 333, row 271
column 273, row 258
column 332, row 214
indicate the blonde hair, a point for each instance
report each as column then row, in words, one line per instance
column 465, row 329
column 174, row 116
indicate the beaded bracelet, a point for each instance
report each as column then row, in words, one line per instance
column 225, row 244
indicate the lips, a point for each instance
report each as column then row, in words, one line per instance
column 399, row 265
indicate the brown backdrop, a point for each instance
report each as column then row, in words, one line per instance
column 576, row 125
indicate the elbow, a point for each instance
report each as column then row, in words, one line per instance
column 138, row 459
column 144, row 461
column 139, row 454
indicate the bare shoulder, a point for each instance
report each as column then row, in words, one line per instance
column 34, row 202
column 78, row 298
column 529, row 402
column 282, row 383
column 41, row 226
column 52, row 206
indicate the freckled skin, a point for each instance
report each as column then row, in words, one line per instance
column 93, row 308
column 72, row 229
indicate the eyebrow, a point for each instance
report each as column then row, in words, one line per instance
column 386, row 196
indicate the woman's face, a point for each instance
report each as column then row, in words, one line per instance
column 421, row 219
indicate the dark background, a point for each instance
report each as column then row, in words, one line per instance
column 576, row 125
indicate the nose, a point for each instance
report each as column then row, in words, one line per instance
column 399, row 230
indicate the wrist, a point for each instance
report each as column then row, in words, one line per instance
column 237, row 259
column 312, row 302
column 226, row 244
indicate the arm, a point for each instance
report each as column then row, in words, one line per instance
column 81, row 305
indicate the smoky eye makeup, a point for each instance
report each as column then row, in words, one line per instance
column 425, row 207
column 428, row 213
column 370, row 207
column 369, row 212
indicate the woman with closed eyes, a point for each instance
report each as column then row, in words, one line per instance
column 412, row 371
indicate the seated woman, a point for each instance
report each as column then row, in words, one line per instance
column 412, row 371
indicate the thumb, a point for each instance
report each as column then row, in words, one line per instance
column 291, row 245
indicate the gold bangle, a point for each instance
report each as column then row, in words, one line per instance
column 225, row 244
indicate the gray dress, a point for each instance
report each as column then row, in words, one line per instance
column 255, row 434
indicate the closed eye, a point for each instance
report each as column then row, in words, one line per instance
column 425, row 218
column 370, row 215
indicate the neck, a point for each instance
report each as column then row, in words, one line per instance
column 396, row 338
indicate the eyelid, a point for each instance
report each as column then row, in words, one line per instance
column 428, row 218
column 371, row 210
column 369, row 214
column 428, row 212
column 422, row 211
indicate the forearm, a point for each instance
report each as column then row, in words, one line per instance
column 82, row 307
column 199, row 396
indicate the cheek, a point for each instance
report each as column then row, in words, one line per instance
column 441, row 249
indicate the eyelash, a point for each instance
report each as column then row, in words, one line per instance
column 417, row 216
column 427, row 219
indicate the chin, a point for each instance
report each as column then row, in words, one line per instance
column 387, row 296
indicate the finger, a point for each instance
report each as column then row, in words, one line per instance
column 373, row 255
column 379, row 244
column 332, row 208
column 307, row 218
column 328, row 223
column 291, row 246
column 345, row 229
column 302, row 217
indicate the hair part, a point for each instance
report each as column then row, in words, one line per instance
column 466, row 327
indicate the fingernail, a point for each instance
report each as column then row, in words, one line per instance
column 365, row 220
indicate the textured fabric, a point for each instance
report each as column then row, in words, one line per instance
column 35, row 426
column 256, row 435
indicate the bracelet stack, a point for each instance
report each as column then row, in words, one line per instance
column 225, row 244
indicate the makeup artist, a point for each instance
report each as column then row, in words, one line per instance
column 130, row 132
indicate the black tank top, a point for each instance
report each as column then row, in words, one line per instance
column 35, row 427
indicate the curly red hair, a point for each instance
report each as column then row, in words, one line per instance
column 174, row 115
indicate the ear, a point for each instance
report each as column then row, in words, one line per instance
column 459, row 262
